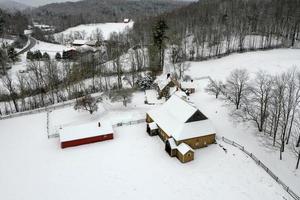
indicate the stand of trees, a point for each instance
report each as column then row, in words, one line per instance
column 69, row 14
column 213, row 28
column 272, row 103
column 12, row 23
column 47, row 81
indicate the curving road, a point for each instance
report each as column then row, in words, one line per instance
column 32, row 43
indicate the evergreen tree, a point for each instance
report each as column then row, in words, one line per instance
column 37, row 55
column 57, row 56
column 12, row 54
column 159, row 38
column 29, row 55
column 3, row 61
column 46, row 56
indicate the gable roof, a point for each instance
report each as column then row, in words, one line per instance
column 84, row 131
column 162, row 82
column 184, row 148
column 172, row 143
column 179, row 108
column 174, row 118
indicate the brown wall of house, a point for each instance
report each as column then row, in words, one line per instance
column 148, row 119
column 189, row 156
column 162, row 135
column 199, row 142
column 89, row 140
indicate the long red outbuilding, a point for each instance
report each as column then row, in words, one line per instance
column 85, row 134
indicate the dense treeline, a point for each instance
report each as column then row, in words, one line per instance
column 215, row 27
column 65, row 15
column 12, row 23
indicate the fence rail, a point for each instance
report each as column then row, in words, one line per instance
column 263, row 166
column 129, row 123
column 43, row 109
column 119, row 124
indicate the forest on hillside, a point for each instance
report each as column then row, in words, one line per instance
column 69, row 14
column 218, row 27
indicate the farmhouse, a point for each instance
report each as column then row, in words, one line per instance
column 179, row 120
column 85, row 134
column 166, row 86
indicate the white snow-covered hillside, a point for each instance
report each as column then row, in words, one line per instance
column 50, row 48
column 89, row 31
column 272, row 61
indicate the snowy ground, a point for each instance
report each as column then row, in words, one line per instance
column 130, row 166
column 272, row 61
column 89, row 30
column 247, row 135
column 50, row 48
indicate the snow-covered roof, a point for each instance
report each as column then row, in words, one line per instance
column 85, row 48
column 188, row 84
column 79, row 42
column 84, row 131
column 163, row 81
column 91, row 43
column 181, row 94
column 179, row 108
column 172, row 143
column 184, row 148
column 70, row 49
column 27, row 32
column 153, row 126
column 173, row 116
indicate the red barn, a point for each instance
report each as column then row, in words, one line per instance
column 85, row 134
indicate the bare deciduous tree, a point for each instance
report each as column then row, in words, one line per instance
column 237, row 86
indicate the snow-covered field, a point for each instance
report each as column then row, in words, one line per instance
column 271, row 61
column 132, row 166
column 50, row 48
column 135, row 165
column 87, row 31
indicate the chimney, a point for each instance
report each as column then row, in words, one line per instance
column 99, row 124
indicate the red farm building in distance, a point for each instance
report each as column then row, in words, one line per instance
column 85, row 134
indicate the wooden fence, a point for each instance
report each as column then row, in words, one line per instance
column 119, row 124
column 129, row 123
column 44, row 109
column 262, row 165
